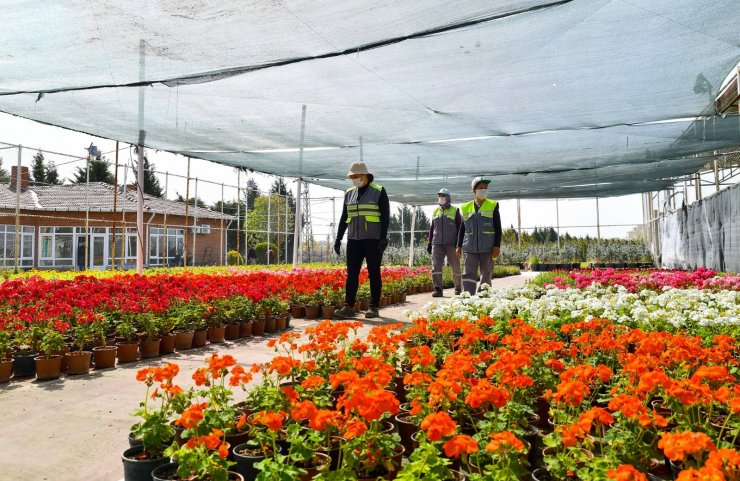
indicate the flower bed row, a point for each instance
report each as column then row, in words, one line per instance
column 637, row 280
column 476, row 398
column 52, row 316
column 704, row 312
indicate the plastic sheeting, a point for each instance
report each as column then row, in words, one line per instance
column 707, row 234
column 551, row 99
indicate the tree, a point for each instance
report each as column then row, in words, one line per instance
column 192, row 201
column 421, row 230
column 38, row 170
column 52, row 176
column 279, row 226
column 151, row 182
column 99, row 172
column 4, row 176
column 43, row 173
column 253, row 191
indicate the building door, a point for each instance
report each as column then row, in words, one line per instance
column 98, row 251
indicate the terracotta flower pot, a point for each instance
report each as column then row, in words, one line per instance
column 358, row 307
column 365, row 304
column 6, row 369
column 281, row 323
column 245, row 329
column 200, row 338
column 48, row 367
column 167, row 344
column 258, row 328
column 216, row 334
column 231, row 332
column 105, row 356
column 149, row 349
column 127, row 352
column 327, row 312
column 312, row 312
column 184, row 340
column 78, row 362
column 297, row 311
column 270, row 324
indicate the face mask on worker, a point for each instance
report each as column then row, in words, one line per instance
column 443, row 201
column 481, row 193
column 357, row 182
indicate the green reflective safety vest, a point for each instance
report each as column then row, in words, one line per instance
column 445, row 230
column 479, row 232
column 363, row 212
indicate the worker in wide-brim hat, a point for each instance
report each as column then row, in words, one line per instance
column 479, row 239
column 365, row 218
column 443, row 233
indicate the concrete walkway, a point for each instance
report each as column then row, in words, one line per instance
column 75, row 428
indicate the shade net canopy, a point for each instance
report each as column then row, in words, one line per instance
column 572, row 98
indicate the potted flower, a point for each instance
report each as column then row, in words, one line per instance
column 128, row 347
column 426, row 463
column 104, row 355
column 148, row 325
column 26, row 340
column 154, row 430
column 49, row 364
column 83, row 334
column 6, row 362
column 204, row 457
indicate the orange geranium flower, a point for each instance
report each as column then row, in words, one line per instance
column 438, row 425
column 501, row 441
column 678, row 445
column 312, row 382
column 323, row 419
column 460, row 445
column 485, row 393
column 626, row 472
column 303, row 410
column 354, row 429
column 273, row 421
column 725, row 460
column 191, row 416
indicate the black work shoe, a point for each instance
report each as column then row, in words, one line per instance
column 372, row 313
column 457, row 292
column 347, row 312
column 437, row 292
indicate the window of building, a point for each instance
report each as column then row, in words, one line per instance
column 7, row 246
column 166, row 246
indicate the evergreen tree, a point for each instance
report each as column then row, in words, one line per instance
column 99, row 172
column 38, row 170
column 151, row 182
column 253, row 191
column 192, row 201
column 52, row 176
column 421, row 230
column 4, row 176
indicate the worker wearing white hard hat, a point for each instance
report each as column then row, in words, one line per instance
column 443, row 231
column 479, row 238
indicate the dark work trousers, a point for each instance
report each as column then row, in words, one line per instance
column 357, row 251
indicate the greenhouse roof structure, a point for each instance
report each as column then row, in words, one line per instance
column 568, row 98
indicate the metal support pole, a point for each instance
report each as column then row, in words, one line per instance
column 716, row 176
column 598, row 223
column 18, row 177
column 298, row 228
column 403, row 215
column 334, row 226
column 557, row 220
column 140, row 234
column 362, row 156
column 223, row 236
column 87, row 214
column 698, row 186
column 285, row 250
column 519, row 222
column 187, row 221
column 115, row 206
column 123, row 217
column 269, row 205
column 246, row 225
column 238, row 212
column 166, row 256
column 411, row 242
column 195, row 223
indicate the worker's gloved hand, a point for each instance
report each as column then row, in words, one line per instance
column 429, row 248
column 382, row 244
column 338, row 246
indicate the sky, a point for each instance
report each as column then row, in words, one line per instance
column 617, row 215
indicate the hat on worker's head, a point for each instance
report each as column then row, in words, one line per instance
column 444, row 191
column 357, row 168
column 479, row 180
